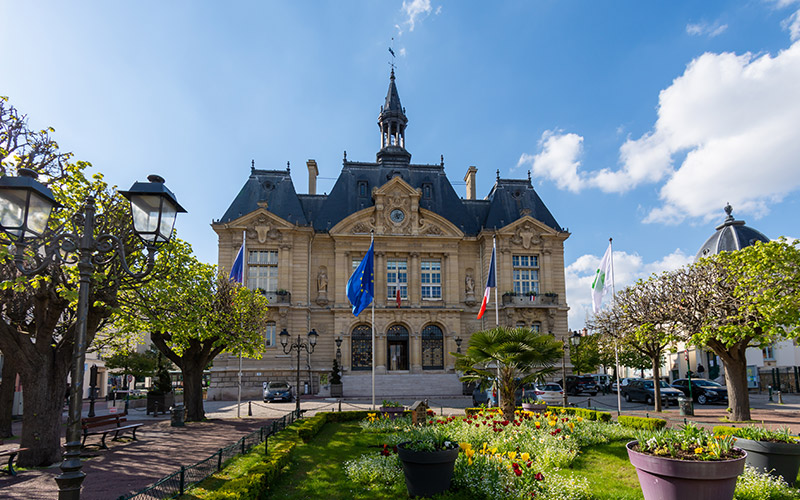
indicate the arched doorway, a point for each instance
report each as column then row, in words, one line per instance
column 361, row 348
column 397, row 348
column 432, row 348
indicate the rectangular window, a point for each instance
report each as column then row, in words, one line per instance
column 526, row 274
column 431, row 278
column 269, row 335
column 396, row 278
column 769, row 353
column 262, row 270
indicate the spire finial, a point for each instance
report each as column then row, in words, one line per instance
column 391, row 51
column 441, row 159
column 252, row 166
column 729, row 211
column 498, row 174
column 288, row 167
column 529, row 176
column 345, row 155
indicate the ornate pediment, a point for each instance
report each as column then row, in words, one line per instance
column 528, row 233
column 261, row 226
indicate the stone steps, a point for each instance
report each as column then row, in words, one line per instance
column 416, row 385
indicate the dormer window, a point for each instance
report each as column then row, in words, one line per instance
column 427, row 190
column 362, row 188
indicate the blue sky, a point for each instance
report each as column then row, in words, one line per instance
column 638, row 120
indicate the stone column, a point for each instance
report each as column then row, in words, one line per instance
column 415, row 351
column 414, row 293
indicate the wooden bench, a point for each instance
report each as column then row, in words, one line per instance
column 11, row 455
column 107, row 424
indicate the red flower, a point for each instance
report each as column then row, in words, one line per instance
column 539, row 476
column 517, row 472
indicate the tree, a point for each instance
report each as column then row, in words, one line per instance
column 193, row 315
column 38, row 313
column 640, row 319
column 585, row 357
column 133, row 363
column 734, row 300
column 524, row 356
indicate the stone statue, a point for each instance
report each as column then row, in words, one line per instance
column 470, row 284
column 322, row 280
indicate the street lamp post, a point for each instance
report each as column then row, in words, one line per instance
column 25, row 208
column 298, row 345
column 339, row 351
column 575, row 340
column 458, row 344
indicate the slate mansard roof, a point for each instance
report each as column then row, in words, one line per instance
column 730, row 236
column 508, row 200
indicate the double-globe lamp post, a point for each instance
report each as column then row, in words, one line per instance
column 298, row 345
column 25, row 208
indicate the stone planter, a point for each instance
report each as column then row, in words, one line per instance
column 779, row 459
column 427, row 473
column 664, row 478
column 336, row 390
column 535, row 407
column 392, row 412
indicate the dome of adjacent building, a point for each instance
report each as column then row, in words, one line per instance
column 731, row 235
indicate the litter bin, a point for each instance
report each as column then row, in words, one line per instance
column 177, row 416
column 685, row 404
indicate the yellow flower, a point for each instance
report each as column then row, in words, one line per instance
column 580, row 419
column 525, row 457
column 571, row 426
column 465, row 446
column 698, row 450
column 512, row 455
column 493, row 450
column 538, row 424
column 552, row 423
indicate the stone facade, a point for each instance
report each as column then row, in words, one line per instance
column 432, row 245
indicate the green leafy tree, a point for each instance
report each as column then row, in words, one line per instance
column 138, row 364
column 38, row 314
column 523, row 356
column 192, row 316
column 585, row 357
column 735, row 300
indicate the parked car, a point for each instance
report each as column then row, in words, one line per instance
column 644, row 390
column 602, row 380
column 275, row 391
column 550, row 393
column 488, row 395
column 577, row 384
column 625, row 381
column 703, row 390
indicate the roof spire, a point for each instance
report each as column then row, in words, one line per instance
column 392, row 123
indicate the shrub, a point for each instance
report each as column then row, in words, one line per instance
column 754, row 433
column 310, row 427
column 344, row 416
column 651, row 424
column 754, row 485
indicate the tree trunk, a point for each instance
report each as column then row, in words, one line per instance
column 735, row 365
column 657, row 383
column 193, row 391
column 7, row 396
column 44, row 388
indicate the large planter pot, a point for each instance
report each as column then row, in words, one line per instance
column 664, row 478
column 159, row 403
column 392, row 412
column 780, row 459
column 427, row 472
column 336, row 390
column 535, row 407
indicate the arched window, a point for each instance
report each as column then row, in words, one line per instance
column 536, row 326
column 361, row 348
column 397, row 348
column 432, row 348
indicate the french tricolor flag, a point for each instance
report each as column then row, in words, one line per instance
column 491, row 282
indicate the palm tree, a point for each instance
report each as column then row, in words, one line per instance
column 523, row 356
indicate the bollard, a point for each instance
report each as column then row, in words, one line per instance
column 340, row 406
column 249, row 408
column 770, row 393
column 177, row 416
column 780, row 397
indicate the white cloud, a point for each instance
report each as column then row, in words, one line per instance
column 416, row 10
column 557, row 160
column 710, row 30
column 402, row 52
column 735, row 117
column 627, row 269
column 792, row 24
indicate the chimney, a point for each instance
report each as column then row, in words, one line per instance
column 470, row 180
column 313, row 172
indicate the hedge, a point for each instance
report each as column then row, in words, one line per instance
column 642, row 422
column 253, row 484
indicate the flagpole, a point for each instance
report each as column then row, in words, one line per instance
column 496, row 312
column 244, row 283
column 616, row 347
column 371, row 242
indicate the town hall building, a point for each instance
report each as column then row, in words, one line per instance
column 432, row 253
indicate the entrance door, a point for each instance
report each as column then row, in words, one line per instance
column 397, row 344
column 398, row 355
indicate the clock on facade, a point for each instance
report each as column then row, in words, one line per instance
column 397, row 216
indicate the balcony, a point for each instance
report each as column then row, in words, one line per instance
column 278, row 297
column 530, row 300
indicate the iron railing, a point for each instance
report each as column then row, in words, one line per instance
column 179, row 481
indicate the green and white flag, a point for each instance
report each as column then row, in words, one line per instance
column 603, row 280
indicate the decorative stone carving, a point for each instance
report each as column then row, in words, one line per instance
column 526, row 236
column 361, row 228
column 469, row 289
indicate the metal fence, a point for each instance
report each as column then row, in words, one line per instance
column 179, row 481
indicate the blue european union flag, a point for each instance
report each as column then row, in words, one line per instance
column 237, row 271
column 361, row 285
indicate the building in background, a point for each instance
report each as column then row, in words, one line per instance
column 432, row 251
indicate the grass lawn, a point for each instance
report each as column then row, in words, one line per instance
column 316, row 469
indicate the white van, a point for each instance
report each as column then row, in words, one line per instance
column 602, row 380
